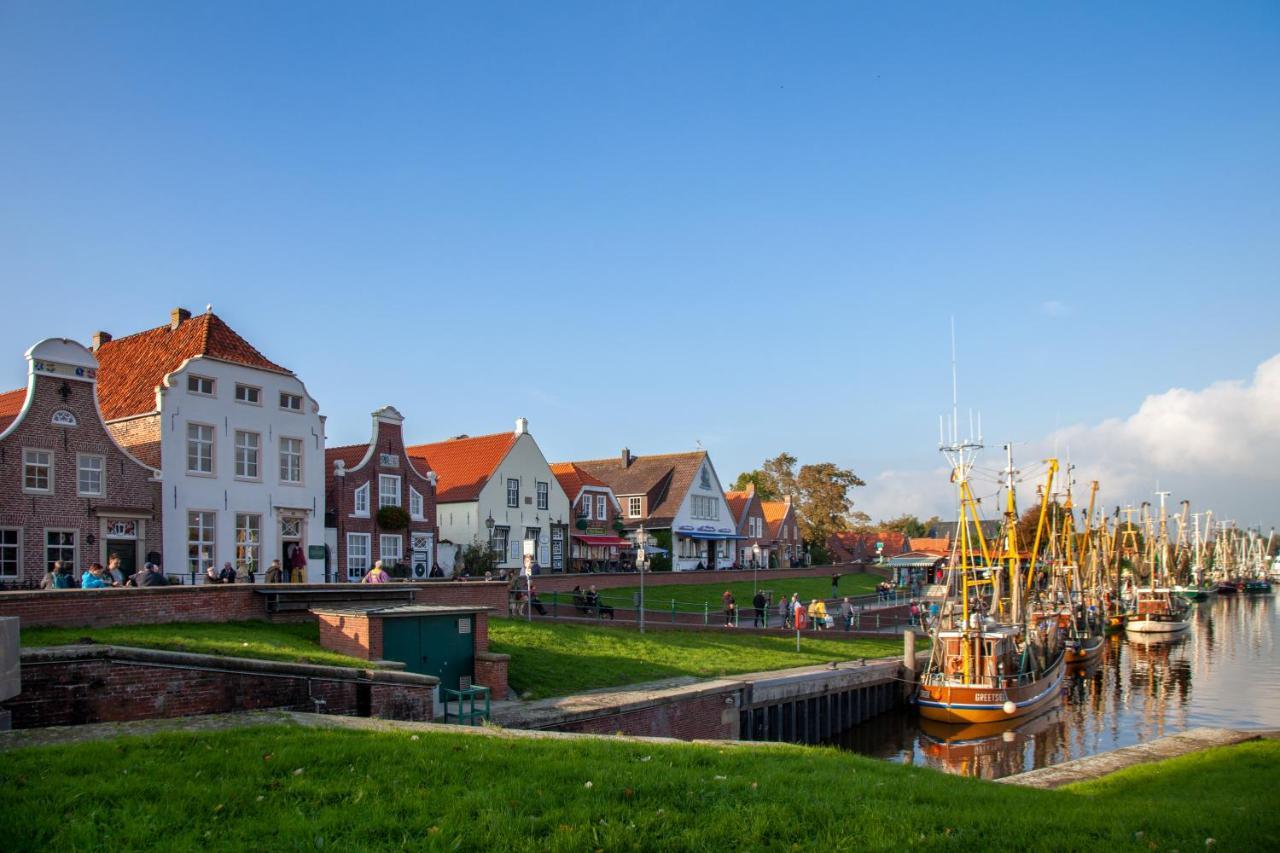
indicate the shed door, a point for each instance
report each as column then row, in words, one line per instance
column 442, row 646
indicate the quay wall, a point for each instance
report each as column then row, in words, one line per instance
column 546, row 583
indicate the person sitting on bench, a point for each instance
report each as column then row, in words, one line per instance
column 593, row 602
column 580, row 601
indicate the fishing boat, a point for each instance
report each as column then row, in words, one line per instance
column 1158, row 609
column 1257, row 586
column 1226, row 587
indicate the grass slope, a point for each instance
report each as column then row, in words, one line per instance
column 690, row 598
column 298, row 643
column 549, row 659
column 291, row 788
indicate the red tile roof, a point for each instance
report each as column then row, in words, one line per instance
column 464, row 465
column 939, row 546
column 737, row 502
column 11, row 403
column 775, row 513
column 130, row 368
column 665, row 477
column 350, row 454
column 572, row 479
column 848, row 546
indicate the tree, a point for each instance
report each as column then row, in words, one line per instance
column 822, row 498
column 860, row 522
column 766, row 488
column 906, row 524
column 478, row 557
column 781, row 471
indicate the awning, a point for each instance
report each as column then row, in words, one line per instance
column 601, row 540
column 698, row 534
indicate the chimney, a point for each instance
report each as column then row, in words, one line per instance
column 751, row 488
column 178, row 316
column 626, row 457
column 522, row 426
column 100, row 338
column 787, row 499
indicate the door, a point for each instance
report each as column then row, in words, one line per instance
column 442, row 646
column 127, row 551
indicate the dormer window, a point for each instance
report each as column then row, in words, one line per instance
column 201, row 385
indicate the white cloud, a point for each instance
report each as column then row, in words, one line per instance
column 1218, row 447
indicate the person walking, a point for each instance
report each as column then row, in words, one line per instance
column 275, row 574
column 729, row 607
column 846, row 613
column 835, row 585
column 762, row 615
column 377, row 574
column 113, row 569
column 784, row 612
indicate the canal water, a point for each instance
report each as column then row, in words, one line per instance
column 1224, row 671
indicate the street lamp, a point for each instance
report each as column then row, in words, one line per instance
column 640, row 561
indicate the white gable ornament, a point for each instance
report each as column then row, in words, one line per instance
column 62, row 417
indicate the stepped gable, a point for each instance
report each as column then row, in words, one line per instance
column 131, row 368
column 464, row 464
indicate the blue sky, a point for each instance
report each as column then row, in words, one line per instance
column 648, row 224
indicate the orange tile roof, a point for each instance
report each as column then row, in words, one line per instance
column 130, row 368
column 11, row 403
column 572, row 479
column 350, row 454
column 775, row 512
column 737, row 502
column 939, row 546
column 666, row 477
column 463, row 465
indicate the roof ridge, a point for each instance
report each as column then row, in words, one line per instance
column 637, row 458
column 458, row 440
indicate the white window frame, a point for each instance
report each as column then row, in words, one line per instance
column 500, row 533
column 602, row 507
column 248, row 549
column 213, row 448
column 47, row 466
column 300, row 454
column 544, row 494
column 194, row 382
column 358, row 558
column 513, row 492
column 242, row 459
column 290, row 396
column 14, row 549
column 385, row 495
column 208, row 540
column 242, row 387
column 360, row 503
column 74, row 561
column 416, row 505
column 634, row 507
column 392, row 555
column 101, row 471
column 585, row 505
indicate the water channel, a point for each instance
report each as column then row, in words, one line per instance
column 1224, row 671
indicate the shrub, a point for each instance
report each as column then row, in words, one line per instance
column 393, row 518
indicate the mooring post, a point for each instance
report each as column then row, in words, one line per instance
column 909, row 661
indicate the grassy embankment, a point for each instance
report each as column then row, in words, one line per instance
column 293, row 788
column 546, row 659
column 690, row 598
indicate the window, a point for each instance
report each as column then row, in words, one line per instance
column 544, row 495
column 498, row 542
column 388, row 490
column 37, row 470
column 89, row 469
column 362, row 500
column 201, row 551
column 602, row 507
column 513, row 492
column 199, row 449
column 248, row 541
column 59, row 545
column 390, row 549
column 633, row 507
column 201, row 385
column 247, row 447
column 248, row 394
column 10, row 552
column 584, row 508
column 290, row 402
column 357, row 555
column 415, row 504
column 291, row 460
column 701, row 506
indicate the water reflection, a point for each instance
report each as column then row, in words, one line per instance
column 1223, row 672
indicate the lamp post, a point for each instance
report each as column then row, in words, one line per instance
column 640, row 561
column 488, row 523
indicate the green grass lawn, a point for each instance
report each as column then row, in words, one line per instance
column 298, row 643
column 549, row 659
column 690, row 598
column 315, row 789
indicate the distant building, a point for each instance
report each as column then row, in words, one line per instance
column 784, row 531
column 498, row 489
column 679, row 492
column 68, row 490
column 594, row 542
column 362, row 480
column 850, row 547
column 756, row 543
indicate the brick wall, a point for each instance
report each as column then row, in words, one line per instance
column 491, row 671
column 699, row 717
column 140, row 436
column 351, row 634
column 213, row 603
column 76, row 685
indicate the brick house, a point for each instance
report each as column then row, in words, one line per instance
column 755, row 548
column 238, row 440
column 594, row 542
column 850, row 547
column 676, row 492
column 364, row 478
column 68, row 490
column 784, row 531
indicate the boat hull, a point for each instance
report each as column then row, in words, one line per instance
column 966, row 704
column 1115, row 622
column 1142, row 624
column 1085, row 651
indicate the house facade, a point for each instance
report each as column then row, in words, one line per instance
column 849, row 547
column 784, row 532
column 755, row 548
column 362, row 480
column 676, row 492
column 594, row 543
column 499, row 490
column 237, row 439
column 68, row 490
